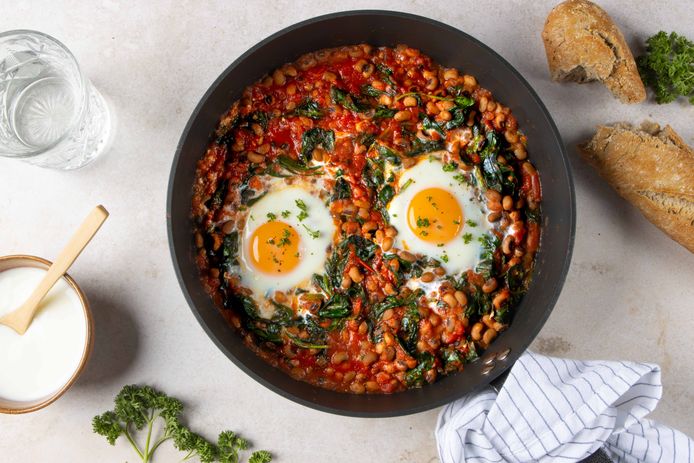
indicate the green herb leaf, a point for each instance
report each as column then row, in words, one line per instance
column 383, row 112
column 346, row 100
column 297, row 341
column 342, row 190
column 297, row 167
column 313, row 138
column 415, row 377
column 315, row 234
column 308, row 108
column 386, row 74
column 409, row 330
column 490, row 243
column 338, row 306
column 144, row 409
column 668, row 67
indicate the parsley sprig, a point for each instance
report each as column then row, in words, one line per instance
column 668, row 67
column 139, row 407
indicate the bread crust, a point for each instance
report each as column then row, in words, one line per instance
column 583, row 44
column 651, row 168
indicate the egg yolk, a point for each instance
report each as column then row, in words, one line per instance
column 274, row 247
column 434, row 215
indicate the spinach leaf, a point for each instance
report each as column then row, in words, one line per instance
column 385, row 195
column 383, row 112
column 409, row 330
column 347, row 100
column 247, row 304
column 415, row 376
column 298, row 167
column 460, row 112
column 342, row 190
column 371, row 91
column 486, row 263
column 430, row 124
column 388, row 154
column 335, row 267
column 477, row 140
column 478, row 304
column 313, row 138
column 471, row 355
column 297, row 341
column 308, row 108
column 255, row 199
column 258, row 117
column 366, row 139
column 338, row 306
column 517, row 282
column 230, row 249
column 270, row 332
column 452, row 359
column 283, row 315
column 497, row 176
column 218, row 197
column 323, row 282
column 363, row 248
column 420, row 146
column 386, row 74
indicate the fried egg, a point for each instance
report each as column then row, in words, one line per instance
column 437, row 214
column 284, row 240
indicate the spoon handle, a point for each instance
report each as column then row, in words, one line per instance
column 77, row 243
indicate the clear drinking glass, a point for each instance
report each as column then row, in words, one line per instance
column 50, row 114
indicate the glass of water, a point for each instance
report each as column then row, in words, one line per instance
column 50, row 114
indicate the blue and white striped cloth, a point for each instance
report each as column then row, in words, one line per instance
column 553, row 409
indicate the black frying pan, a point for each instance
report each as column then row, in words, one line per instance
column 451, row 48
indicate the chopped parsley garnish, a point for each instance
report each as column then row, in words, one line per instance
column 407, row 183
column 423, row 222
column 444, row 258
column 450, row 167
column 285, row 241
column 460, row 178
column 456, row 222
column 467, row 238
column 303, row 208
column 314, row 233
column 286, row 214
column 271, row 216
column 470, row 223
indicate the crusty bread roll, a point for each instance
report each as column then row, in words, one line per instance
column 653, row 169
column 583, row 45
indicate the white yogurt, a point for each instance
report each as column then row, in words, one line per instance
column 40, row 362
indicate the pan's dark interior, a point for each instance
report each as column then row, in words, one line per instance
column 452, row 48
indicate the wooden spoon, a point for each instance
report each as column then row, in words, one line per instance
column 20, row 319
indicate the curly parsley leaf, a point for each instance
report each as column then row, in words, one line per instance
column 140, row 408
column 668, row 67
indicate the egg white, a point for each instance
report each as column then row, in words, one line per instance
column 312, row 250
column 456, row 255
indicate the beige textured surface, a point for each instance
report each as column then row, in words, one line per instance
column 629, row 294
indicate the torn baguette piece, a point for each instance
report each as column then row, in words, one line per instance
column 651, row 168
column 583, row 44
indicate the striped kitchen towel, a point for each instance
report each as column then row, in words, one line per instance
column 553, row 409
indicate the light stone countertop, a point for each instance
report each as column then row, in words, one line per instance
column 629, row 293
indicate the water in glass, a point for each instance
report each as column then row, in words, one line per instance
column 50, row 114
